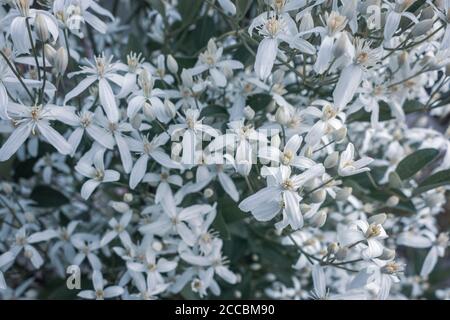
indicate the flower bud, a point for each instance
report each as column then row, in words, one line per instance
column 333, row 248
column 157, row 245
column 309, row 152
column 275, row 141
column 319, row 218
column 282, row 116
column 136, row 121
column 169, row 108
column 422, row 27
column 343, row 194
column 387, row 254
column 149, row 113
column 61, row 60
column 377, row 219
column 189, row 175
column 172, row 64
column 41, row 28
column 208, row 193
column 307, row 23
column 128, row 197
column 340, row 134
column 6, row 187
column 342, row 253
column 427, row 13
column 249, row 113
column 119, row 206
column 318, row 196
column 331, row 160
column 392, row 201
column 186, row 77
column 342, row 46
column 49, row 52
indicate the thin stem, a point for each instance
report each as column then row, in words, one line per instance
column 33, row 48
column 16, row 74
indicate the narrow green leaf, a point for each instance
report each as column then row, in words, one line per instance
column 414, row 162
column 436, row 180
column 46, row 196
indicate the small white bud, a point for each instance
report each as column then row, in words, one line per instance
column 128, row 197
column 343, row 194
column 189, row 175
column 120, row 206
column 342, row 253
column 186, row 77
column 392, row 201
column 249, row 113
column 136, row 121
column 172, row 64
column 387, row 254
column 422, row 27
column 319, row 196
column 61, row 60
column 49, row 52
column 149, row 113
column 331, row 160
column 377, row 219
column 319, row 218
column 275, row 141
column 169, row 108
column 41, row 28
column 333, row 248
column 340, row 134
column 208, row 193
column 282, row 116
column 157, row 245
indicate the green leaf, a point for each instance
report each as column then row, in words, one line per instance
column 414, row 162
column 189, row 10
column 220, row 225
column 436, row 180
column 214, row 111
column 259, row 101
column 242, row 6
column 158, row 5
column 410, row 106
column 46, row 196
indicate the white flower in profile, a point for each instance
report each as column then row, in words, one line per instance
column 289, row 156
column 214, row 260
column 73, row 12
column 153, row 266
column 334, row 23
column 282, row 188
column 96, row 173
column 146, row 291
column 148, row 98
column 7, row 79
column 149, row 150
column 176, row 220
column 211, row 60
column 396, row 11
column 275, row 29
column 134, row 65
column 24, row 242
column 366, row 234
column 352, row 75
column 17, row 18
column 348, row 166
column 99, row 292
column 101, row 72
column 32, row 121
column 330, row 119
column 193, row 130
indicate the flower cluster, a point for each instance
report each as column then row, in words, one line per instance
column 285, row 149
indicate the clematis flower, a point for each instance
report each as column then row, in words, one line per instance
column 348, row 166
column 99, row 292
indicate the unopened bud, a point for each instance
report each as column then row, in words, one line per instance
column 340, row 134
column 136, row 121
column 119, row 206
column 392, row 201
column 148, row 111
column 318, row 196
column 41, row 28
column 377, row 219
column 331, row 160
column 309, row 152
column 169, row 108
column 128, row 197
column 342, row 46
column 172, row 64
column 319, row 218
column 49, row 52
column 343, row 194
column 249, row 113
column 275, row 141
column 282, row 116
column 333, row 248
column 342, row 253
column 422, row 27
column 208, row 193
column 427, row 13
column 157, row 245
column 61, row 60
column 186, row 77
column 387, row 254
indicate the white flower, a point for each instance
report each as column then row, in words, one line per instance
column 31, row 121
column 96, row 174
column 282, row 188
column 99, row 292
column 211, row 60
column 348, row 166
